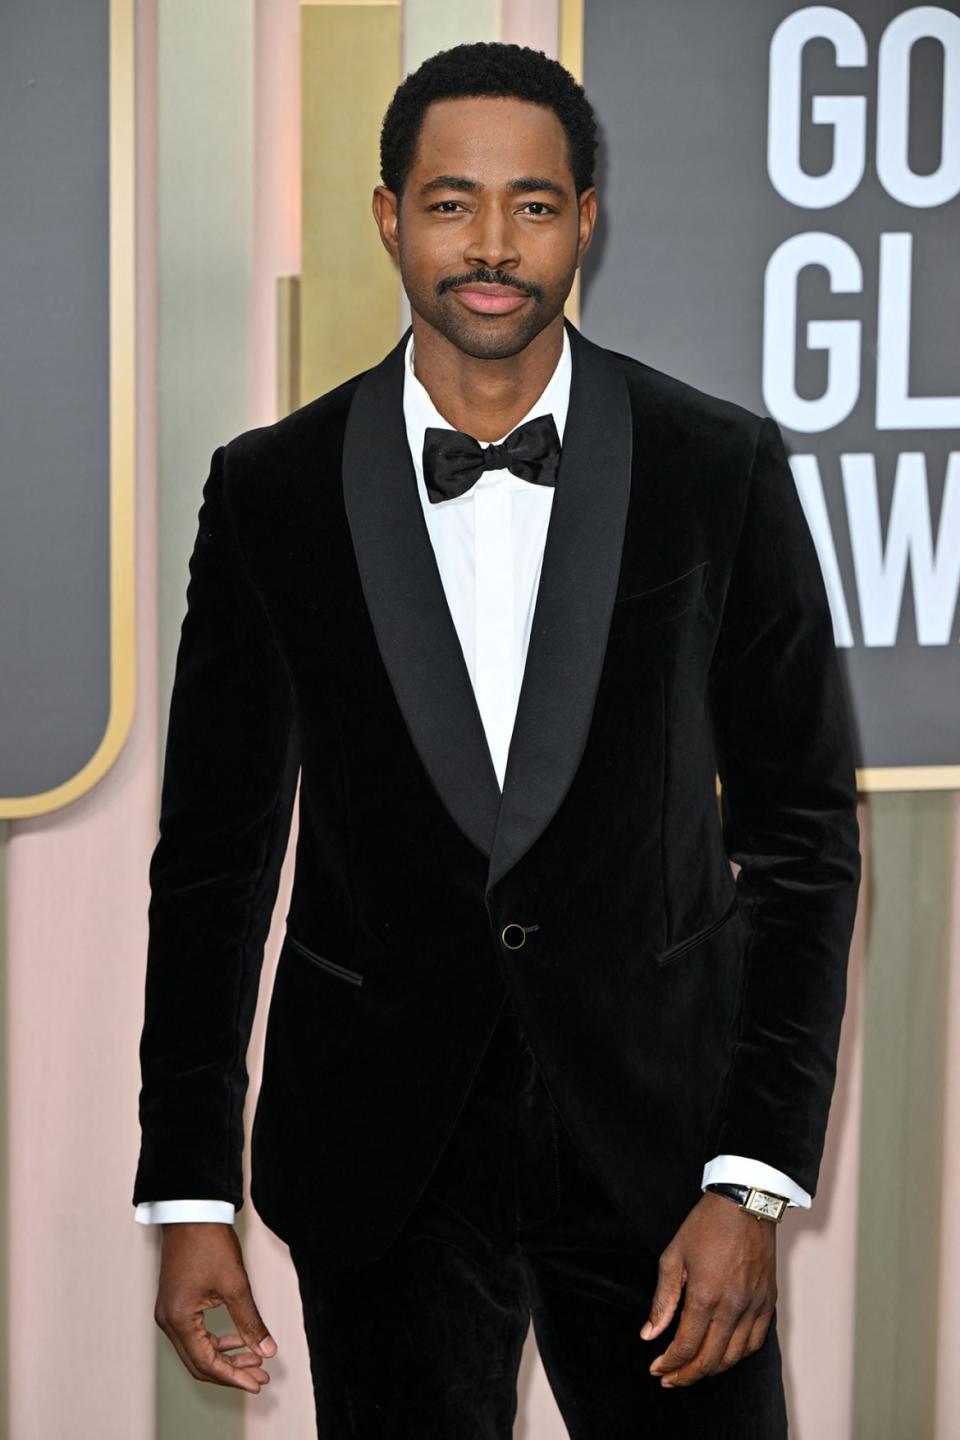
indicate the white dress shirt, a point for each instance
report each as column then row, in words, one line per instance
column 489, row 548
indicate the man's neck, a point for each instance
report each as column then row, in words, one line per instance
column 484, row 398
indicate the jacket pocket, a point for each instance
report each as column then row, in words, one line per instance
column 331, row 966
column 681, row 947
column 664, row 602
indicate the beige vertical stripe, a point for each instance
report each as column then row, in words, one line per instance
column 205, row 365
column 818, row 1247
column 901, row 1159
column 350, row 66
column 948, row 1339
column 205, row 269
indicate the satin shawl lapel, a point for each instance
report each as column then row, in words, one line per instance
column 401, row 581
column 578, row 584
column 414, row 629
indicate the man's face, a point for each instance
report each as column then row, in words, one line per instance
column 489, row 231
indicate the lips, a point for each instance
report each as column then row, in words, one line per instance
column 489, row 299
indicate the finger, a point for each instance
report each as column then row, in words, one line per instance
column 248, row 1320
column 226, row 1341
column 187, row 1359
column 224, row 1371
column 194, row 1343
column 183, row 1354
column 759, row 1331
column 695, row 1317
column 245, row 1359
column 739, row 1342
column 670, row 1278
column 707, row 1358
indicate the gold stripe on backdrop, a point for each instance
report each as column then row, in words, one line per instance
column 571, row 57
column 909, row 777
column 122, row 448
column 288, row 344
column 349, row 286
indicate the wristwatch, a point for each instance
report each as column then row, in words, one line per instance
column 761, row 1203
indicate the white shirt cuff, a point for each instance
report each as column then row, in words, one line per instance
column 166, row 1212
column 739, row 1170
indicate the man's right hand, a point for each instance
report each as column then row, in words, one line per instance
column 201, row 1267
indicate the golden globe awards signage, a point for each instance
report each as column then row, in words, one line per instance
column 782, row 186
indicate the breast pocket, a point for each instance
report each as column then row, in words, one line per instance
column 665, row 601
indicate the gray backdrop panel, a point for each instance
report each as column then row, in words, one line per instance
column 54, row 382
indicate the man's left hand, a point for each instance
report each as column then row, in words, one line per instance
column 727, row 1260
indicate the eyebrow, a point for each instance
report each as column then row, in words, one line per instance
column 519, row 186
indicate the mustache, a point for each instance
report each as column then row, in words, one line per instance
column 490, row 277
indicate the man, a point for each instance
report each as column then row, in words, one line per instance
column 508, row 602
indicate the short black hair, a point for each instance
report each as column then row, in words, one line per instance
column 487, row 68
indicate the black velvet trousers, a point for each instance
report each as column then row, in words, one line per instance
column 425, row 1342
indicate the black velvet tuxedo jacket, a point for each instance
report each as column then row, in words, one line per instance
column 681, row 629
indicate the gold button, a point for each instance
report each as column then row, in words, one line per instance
column 515, row 940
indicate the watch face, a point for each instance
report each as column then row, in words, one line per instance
column 762, row 1204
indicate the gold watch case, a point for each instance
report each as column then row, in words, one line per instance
column 765, row 1205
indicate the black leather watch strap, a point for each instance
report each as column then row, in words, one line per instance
column 735, row 1192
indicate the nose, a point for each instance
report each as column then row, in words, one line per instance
column 491, row 242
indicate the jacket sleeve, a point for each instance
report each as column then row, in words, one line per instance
column 784, row 754
column 230, row 772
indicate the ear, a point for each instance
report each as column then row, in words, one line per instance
column 386, row 212
column 587, row 220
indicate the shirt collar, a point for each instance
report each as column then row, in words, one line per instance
column 419, row 410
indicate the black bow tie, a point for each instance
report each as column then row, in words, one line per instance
column 453, row 462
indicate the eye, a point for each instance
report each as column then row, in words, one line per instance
column 541, row 207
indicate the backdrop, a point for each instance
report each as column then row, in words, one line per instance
column 779, row 221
